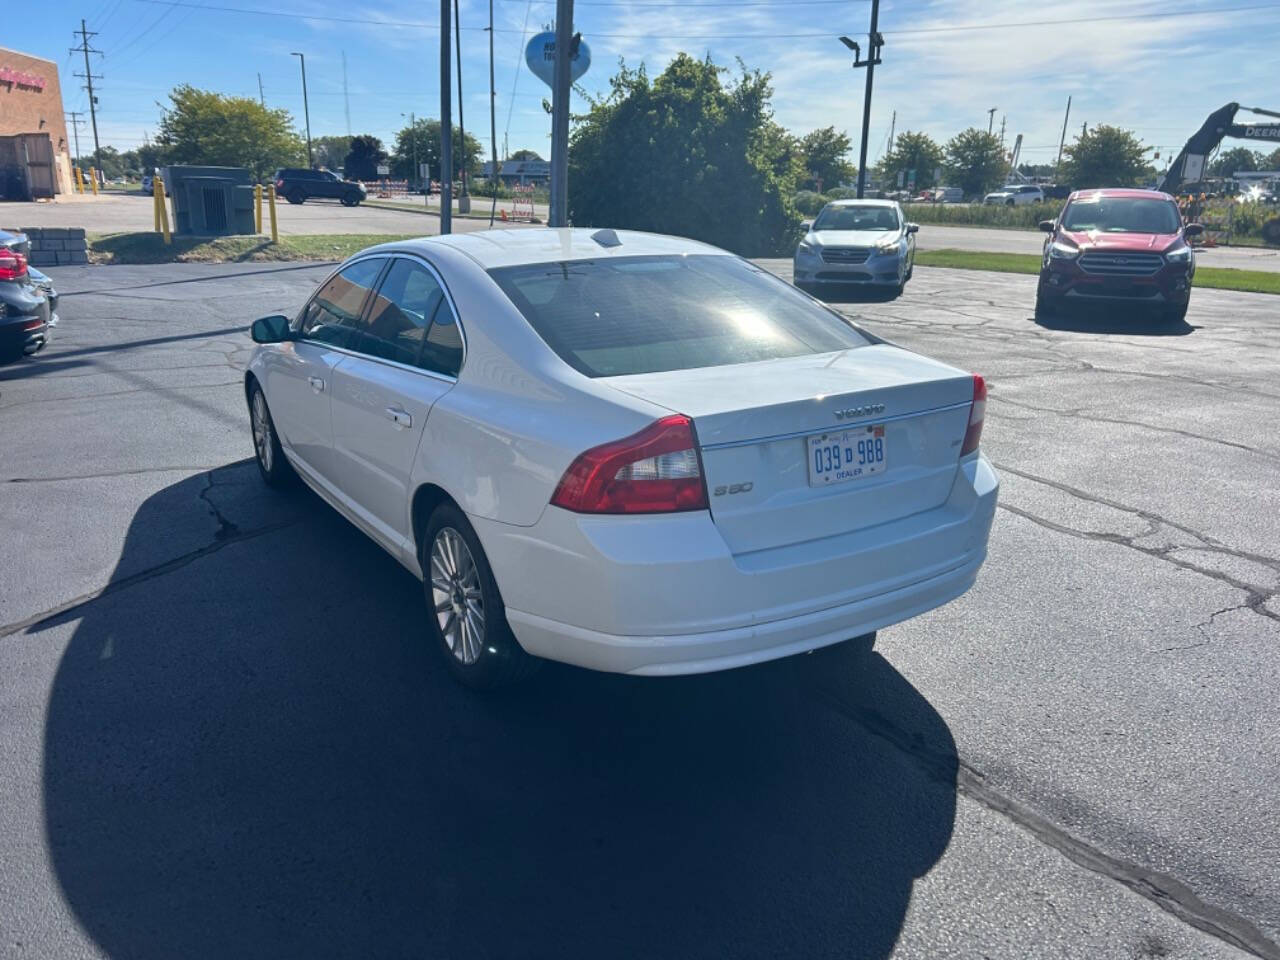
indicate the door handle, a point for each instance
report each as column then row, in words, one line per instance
column 399, row 417
column 316, row 384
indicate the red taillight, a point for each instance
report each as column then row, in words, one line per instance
column 977, row 412
column 13, row 265
column 654, row 471
column 280, row 184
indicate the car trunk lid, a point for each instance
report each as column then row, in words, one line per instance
column 753, row 423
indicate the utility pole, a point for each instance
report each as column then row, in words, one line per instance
column 991, row 119
column 88, row 85
column 1062, row 143
column 306, row 110
column 413, row 146
column 462, row 130
column 262, row 97
column 493, row 124
column 1002, row 120
column 559, row 213
column 874, row 42
column 446, row 125
column 346, row 99
column 893, row 126
column 75, row 130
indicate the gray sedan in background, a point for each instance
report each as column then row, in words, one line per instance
column 866, row 242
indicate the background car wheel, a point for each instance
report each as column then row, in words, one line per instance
column 1044, row 306
column 272, row 464
column 465, row 614
column 351, row 199
column 296, row 196
column 1175, row 315
column 1009, row 202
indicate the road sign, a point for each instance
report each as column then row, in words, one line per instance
column 383, row 169
column 540, row 54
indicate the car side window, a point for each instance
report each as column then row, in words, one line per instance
column 333, row 315
column 442, row 353
column 401, row 313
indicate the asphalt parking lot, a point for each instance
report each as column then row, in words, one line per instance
column 221, row 734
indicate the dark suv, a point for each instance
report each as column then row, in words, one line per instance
column 299, row 186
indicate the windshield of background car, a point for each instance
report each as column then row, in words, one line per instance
column 857, row 218
column 630, row 315
column 1121, row 215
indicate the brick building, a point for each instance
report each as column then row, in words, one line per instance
column 35, row 154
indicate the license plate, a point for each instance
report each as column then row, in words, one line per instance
column 847, row 455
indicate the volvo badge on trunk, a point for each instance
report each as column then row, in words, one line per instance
column 853, row 413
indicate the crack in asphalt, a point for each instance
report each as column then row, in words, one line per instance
column 310, row 265
column 226, row 529
column 1082, row 413
column 109, row 473
column 1166, row 892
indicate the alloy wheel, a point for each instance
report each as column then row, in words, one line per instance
column 262, row 432
column 456, row 596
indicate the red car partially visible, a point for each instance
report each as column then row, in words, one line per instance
column 1121, row 246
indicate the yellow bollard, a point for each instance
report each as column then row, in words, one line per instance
column 257, row 208
column 93, row 180
column 271, row 202
column 79, row 180
column 164, row 214
column 157, row 201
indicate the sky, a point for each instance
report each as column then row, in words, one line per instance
column 1155, row 68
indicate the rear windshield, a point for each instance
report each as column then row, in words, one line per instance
column 857, row 218
column 1122, row 215
column 628, row 315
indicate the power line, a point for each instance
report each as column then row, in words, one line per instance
column 952, row 28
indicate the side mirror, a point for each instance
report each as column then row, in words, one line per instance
column 273, row 329
column 913, row 228
column 1192, row 230
column 1046, row 226
column 806, row 225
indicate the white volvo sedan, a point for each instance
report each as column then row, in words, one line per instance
column 629, row 452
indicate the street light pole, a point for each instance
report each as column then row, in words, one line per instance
column 413, row 142
column 446, row 125
column 306, row 109
column 874, row 42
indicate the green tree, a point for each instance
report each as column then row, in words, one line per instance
column 974, row 161
column 423, row 141
column 525, row 155
column 330, row 152
column 824, row 155
column 207, row 128
column 686, row 154
column 361, row 162
column 911, row 151
column 1106, row 157
column 1271, row 161
column 1237, row 158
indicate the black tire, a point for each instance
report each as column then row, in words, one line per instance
column 1010, row 203
column 1271, row 232
column 273, row 465
column 351, row 199
column 1175, row 315
column 911, row 269
column 296, row 196
column 499, row 660
column 1044, row 306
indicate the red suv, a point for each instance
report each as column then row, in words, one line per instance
column 1118, row 245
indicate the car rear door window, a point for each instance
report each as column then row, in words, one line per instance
column 442, row 351
column 628, row 315
column 333, row 315
column 402, row 310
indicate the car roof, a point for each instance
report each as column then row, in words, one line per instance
column 515, row 247
column 1105, row 192
column 866, row 202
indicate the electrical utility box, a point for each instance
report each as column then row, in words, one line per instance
column 210, row 201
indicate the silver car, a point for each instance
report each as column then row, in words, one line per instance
column 866, row 242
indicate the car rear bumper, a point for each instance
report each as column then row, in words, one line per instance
column 664, row 595
column 25, row 335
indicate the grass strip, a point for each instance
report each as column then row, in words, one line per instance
column 150, row 248
column 1216, row 278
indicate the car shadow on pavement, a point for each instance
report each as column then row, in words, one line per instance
column 251, row 752
column 1099, row 318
